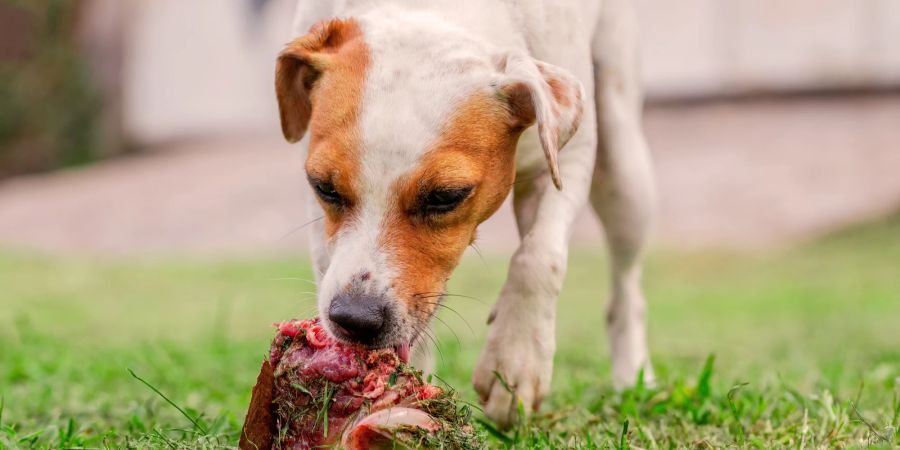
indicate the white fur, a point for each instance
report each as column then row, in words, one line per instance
column 447, row 49
column 397, row 128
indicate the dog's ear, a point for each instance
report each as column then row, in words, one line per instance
column 298, row 67
column 539, row 92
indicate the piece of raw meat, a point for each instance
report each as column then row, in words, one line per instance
column 315, row 391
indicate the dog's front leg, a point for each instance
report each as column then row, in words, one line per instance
column 517, row 361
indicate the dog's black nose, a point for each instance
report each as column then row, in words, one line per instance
column 360, row 318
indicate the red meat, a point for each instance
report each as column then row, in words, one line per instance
column 323, row 392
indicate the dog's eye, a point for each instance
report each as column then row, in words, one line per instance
column 327, row 192
column 445, row 200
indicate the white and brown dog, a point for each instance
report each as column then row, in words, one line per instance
column 419, row 118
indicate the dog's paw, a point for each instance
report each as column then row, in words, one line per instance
column 515, row 368
column 630, row 363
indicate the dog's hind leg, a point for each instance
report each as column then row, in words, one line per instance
column 623, row 191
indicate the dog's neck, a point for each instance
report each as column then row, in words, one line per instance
column 498, row 24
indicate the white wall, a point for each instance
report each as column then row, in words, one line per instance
column 196, row 67
column 702, row 47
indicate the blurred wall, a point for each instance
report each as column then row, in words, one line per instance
column 205, row 66
column 711, row 47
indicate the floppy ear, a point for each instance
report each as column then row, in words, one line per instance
column 298, row 67
column 546, row 94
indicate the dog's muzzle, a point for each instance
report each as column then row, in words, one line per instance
column 365, row 319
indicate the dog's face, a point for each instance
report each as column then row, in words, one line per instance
column 411, row 145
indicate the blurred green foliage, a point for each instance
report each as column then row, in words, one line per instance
column 49, row 109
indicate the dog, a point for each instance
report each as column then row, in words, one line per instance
column 420, row 117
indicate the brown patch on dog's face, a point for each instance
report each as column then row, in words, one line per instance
column 336, row 92
column 474, row 155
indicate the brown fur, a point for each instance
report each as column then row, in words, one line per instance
column 326, row 68
column 476, row 148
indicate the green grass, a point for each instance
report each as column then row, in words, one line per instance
column 799, row 349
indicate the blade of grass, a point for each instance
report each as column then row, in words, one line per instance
column 322, row 415
column 869, row 425
column 520, row 409
column 639, row 383
column 704, row 387
column 504, row 383
column 894, row 422
column 623, row 439
column 164, row 439
column 493, row 431
column 65, row 434
column 734, row 411
column 183, row 412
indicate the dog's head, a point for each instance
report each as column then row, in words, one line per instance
column 412, row 137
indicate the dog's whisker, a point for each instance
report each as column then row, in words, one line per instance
column 519, row 180
column 301, row 227
column 468, row 325
column 447, row 294
column 458, row 341
column 434, row 340
column 478, row 251
column 441, row 304
column 293, row 279
column 418, row 350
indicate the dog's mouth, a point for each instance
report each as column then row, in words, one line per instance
column 402, row 351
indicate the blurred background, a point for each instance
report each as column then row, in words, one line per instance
column 151, row 126
column 151, row 218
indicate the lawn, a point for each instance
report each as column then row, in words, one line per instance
column 797, row 348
